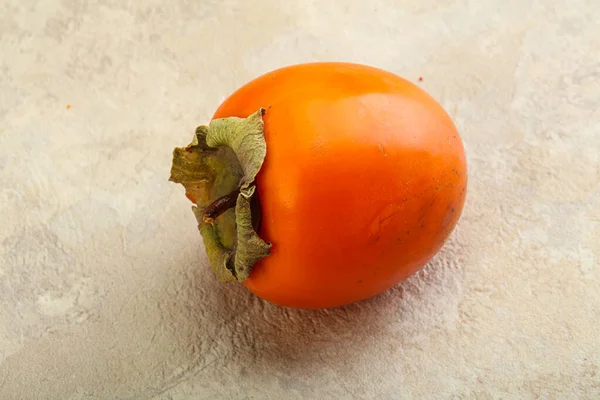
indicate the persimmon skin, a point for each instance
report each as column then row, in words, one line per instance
column 364, row 179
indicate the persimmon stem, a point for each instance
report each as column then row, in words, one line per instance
column 225, row 155
column 219, row 206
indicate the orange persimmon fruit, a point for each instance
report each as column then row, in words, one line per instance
column 335, row 182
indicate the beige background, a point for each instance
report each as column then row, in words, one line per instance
column 104, row 288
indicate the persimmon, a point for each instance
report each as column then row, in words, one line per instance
column 322, row 184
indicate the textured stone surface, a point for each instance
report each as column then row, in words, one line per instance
column 104, row 289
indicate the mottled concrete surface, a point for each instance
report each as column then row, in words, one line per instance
column 104, row 289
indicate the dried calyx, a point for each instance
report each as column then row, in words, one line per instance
column 218, row 170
